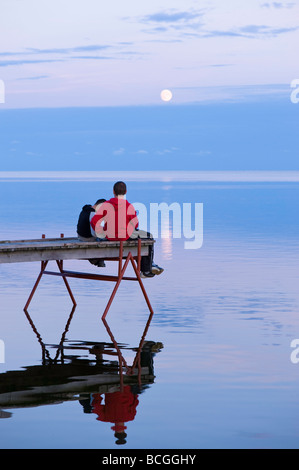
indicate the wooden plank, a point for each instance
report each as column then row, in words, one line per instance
column 64, row 242
column 17, row 251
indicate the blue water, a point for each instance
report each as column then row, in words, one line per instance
column 219, row 340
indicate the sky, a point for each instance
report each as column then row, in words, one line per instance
column 81, row 85
column 66, row 53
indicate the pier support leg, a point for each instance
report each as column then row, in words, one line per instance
column 60, row 267
column 43, row 267
column 120, row 276
column 121, row 272
column 136, row 263
column 43, row 271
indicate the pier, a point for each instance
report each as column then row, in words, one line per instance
column 45, row 250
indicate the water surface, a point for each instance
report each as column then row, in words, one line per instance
column 217, row 351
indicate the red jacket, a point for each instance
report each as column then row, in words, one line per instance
column 120, row 219
column 118, row 407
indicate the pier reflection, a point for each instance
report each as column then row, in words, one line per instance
column 95, row 374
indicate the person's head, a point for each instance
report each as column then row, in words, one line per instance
column 120, row 188
column 120, row 438
column 98, row 203
column 119, row 433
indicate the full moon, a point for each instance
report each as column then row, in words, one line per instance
column 166, row 95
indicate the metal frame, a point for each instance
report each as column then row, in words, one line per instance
column 122, row 267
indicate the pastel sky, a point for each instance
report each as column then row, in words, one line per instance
column 95, row 53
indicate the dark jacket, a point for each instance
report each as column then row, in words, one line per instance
column 83, row 225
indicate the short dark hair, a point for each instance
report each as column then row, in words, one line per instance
column 100, row 201
column 120, row 188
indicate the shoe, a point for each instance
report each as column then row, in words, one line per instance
column 151, row 346
column 100, row 263
column 146, row 274
column 157, row 269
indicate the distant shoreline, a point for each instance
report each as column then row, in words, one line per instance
column 160, row 176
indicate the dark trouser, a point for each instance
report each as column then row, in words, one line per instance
column 99, row 262
column 146, row 261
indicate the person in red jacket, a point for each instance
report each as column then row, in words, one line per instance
column 121, row 223
column 119, row 215
column 118, row 409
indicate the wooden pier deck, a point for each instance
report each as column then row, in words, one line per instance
column 60, row 249
column 46, row 249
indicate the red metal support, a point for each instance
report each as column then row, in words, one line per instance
column 120, row 276
column 139, row 255
column 141, row 283
column 60, row 267
column 120, row 260
column 43, row 267
column 101, row 277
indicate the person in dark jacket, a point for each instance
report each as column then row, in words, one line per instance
column 84, row 230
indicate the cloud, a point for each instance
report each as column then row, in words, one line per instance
column 37, row 56
column 64, row 51
column 166, row 151
column 241, row 93
column 278, row 5
column 119, row 151
column 251, row 32
column 221, row 65
column 171, row 16
column 37, row 77
column 33, row 154
column 69, row 50
column 165, row 21
column 218, row 33
column 8, row 54
column 61, row 50
column 258, row 30
column 92, row 57
column 190, row 24
column 6, row 63
column 88, row 52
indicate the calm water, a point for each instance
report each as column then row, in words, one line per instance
column 217, row 367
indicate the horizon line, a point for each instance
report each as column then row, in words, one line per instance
column 156, row 175
column 252, row 93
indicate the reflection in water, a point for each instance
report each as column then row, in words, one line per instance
column 94, row 374
column 119, row 408
column 166, row 239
